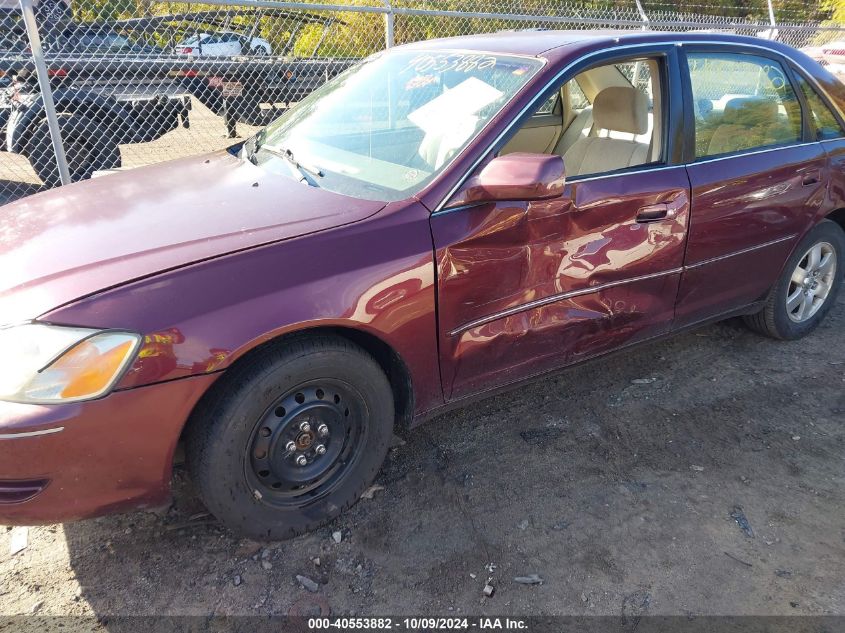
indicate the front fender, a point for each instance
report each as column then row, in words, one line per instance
column 376, row 276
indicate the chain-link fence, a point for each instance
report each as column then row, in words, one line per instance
column 92, row 85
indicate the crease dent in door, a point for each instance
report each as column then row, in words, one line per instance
column 525, row 287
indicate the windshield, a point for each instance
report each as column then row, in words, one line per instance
column 385, row 128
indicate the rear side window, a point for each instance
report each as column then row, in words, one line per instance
column 825, row 123
column 741, row 102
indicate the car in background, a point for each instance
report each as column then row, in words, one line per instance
column 99, row 108
column 223, row 44
column 444, row 221
column 94, row 39
column 830, row 55
column 52, row 11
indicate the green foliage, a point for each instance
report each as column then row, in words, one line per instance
column 354, row 34
column 836, row 9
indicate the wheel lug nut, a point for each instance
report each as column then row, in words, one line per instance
column 290, row 447
column 323, row 430
column 305, row 427
column 321, row 450
column 301, row 461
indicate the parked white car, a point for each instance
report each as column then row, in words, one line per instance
column 223, row 44
column 831, row 55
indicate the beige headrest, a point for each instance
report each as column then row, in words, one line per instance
column 750, row 110
column 621, row 109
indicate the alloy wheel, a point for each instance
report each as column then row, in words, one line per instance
column 811, row 282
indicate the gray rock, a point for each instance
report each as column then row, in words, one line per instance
column 531, row 579
column 337, row 536
column 309, row 584
column 237, row 580
column 19, row 540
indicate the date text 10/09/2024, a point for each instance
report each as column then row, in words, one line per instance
column 414, row 624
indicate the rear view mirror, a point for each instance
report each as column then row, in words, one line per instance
column 517, row 176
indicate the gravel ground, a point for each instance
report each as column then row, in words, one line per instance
column 699, row 475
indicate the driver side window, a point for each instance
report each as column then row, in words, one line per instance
column 606, row 121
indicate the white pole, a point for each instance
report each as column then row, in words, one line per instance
column 388, row 25
column 46, row 90
column 773, row 30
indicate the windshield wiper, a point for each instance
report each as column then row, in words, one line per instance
column 308, row 172
column 251, row 146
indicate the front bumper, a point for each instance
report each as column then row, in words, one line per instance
column 74, row 461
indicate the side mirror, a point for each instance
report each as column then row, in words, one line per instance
column 517, row 176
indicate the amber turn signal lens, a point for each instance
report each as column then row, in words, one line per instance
column 45, row 363
column 89, row 370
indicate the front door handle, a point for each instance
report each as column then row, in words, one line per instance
column 656, row 213
column 811, row 178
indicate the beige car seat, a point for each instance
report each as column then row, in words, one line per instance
column 746, row 122
column 619, row 109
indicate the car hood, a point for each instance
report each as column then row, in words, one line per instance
column 64, row 244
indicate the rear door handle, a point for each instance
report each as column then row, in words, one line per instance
column 655, row 213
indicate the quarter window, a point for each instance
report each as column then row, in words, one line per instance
column 825, row 123
column 577, row 100
column 549, row 106
column 741, row 102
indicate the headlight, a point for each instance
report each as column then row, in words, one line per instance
column 46, row 364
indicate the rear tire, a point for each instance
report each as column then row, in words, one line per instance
column 288, row 403
column 807, row 288
column 88, row 147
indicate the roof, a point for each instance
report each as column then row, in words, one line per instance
column 542, row 43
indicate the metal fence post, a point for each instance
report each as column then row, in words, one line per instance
column 46, row 91
column 773, row 30
column 388, row 25
column 643, row 15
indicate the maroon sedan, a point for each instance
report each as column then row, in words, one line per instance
column 441, row 221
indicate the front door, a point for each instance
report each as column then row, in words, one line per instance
column 756, row 183
column 525, row 287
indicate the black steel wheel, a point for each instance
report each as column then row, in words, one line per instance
column 291, row 436
column 305, row 440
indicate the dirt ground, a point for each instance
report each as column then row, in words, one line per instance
column 700, row 475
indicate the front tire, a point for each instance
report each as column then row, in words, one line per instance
column 291, row 437
column 808, row 287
